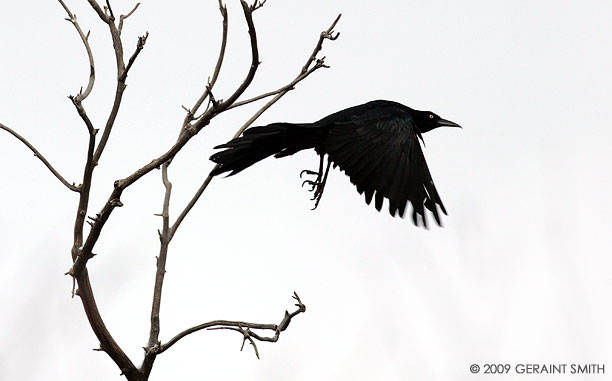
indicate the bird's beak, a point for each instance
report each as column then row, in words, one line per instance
column 447, row 123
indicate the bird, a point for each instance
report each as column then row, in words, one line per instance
column 376, row 144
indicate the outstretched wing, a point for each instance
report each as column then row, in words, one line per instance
column 380, row 151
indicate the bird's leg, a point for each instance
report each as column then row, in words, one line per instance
column 319, row 174
column 320, row 186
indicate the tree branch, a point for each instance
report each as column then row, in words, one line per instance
column 284, row 89
column 85, row 292
column 85, row 38
column 55, row 173
column 228, row 324
column 107, row 343
column 122, row 72
column 87, row 178
column 207, row 92
column 142, row 40
column 123, row 17
column 147, row 364
column 327, row 34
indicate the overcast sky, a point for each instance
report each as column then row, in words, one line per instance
column 520, row 272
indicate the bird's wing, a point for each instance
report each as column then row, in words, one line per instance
column 383, row 158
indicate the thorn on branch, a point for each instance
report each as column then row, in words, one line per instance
column 211, row 98
column 116, row 203
column 330, row 35
column 321, row 63
column 189, row 113
column 299, row 303
column 223, row 9
column 71, row 273
column 246, row 335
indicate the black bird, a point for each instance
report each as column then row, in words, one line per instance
column 376, row 144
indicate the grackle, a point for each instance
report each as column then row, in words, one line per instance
column 376, row 144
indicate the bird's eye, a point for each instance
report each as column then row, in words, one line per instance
column 431, row 116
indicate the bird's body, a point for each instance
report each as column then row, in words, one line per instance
column 376, row 144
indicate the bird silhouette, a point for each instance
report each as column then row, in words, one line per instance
column 376, row 144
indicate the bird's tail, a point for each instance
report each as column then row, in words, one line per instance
column 257, row 143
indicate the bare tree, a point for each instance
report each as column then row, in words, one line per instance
column 205, row 108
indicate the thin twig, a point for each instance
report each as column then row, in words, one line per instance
column 40, row 156
column 190, row 112
column 247, row 334
column 123, row 17
column 327, row 34
column 110, row 10
column 142, row 40
column 85, row 38
column 283, row 89
column 219, row 107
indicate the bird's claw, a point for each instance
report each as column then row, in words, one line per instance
column 317, row 188
column 308, row 172
column 313, row 184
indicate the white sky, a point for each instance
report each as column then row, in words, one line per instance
column 520, row 273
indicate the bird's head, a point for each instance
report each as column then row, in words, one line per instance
column 427, row 121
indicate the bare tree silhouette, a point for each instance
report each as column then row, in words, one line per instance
column 204, row 110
